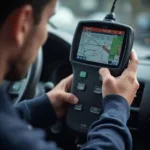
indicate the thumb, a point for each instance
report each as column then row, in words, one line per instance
column 104, row 72
column 68, row 98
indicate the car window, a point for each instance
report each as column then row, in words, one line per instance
column 131, row 12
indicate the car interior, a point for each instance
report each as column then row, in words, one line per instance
column 52, row 65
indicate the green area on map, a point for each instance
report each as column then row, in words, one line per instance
column 115, row 48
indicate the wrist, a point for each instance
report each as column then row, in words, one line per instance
column 117, row 106
column 126, row 97
column 118, row 97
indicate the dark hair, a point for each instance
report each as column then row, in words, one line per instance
column 7, row 7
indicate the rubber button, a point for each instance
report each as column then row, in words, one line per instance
column 95, row 110
column 78, row 107
column 83, row 74
column 98, row 90
column 81, row 86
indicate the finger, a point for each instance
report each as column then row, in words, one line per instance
column 65, row 84
column 68, row 81
column 134, row 56
column 68, row 98
column 69, row 77
column 105, row 73
column 133, row 64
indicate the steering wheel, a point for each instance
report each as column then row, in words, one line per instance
column 25, row 88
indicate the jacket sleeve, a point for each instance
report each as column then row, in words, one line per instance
column 15, row 135
column 110, row 132
column 38, row 112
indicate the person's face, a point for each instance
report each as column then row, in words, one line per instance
column 29, row 43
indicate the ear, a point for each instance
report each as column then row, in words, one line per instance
column 21, row 22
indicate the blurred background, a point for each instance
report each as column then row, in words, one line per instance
column 131, row 12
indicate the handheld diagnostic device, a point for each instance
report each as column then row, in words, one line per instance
column 96, row 44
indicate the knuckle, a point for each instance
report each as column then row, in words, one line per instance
column 137, row 85
column 63, row 83
column 108, row 80
column 130, row 77
column 59, row 95
column 136, row 61
column 70, row 96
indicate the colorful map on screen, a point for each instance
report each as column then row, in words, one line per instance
column 100, row 45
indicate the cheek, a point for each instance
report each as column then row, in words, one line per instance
column 36, row 41
column 42, row 35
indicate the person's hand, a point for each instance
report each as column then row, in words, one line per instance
column 126, row 85
column 60, row 98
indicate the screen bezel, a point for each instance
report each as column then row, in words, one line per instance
column 103, row 25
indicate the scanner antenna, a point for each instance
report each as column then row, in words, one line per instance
column 113, row 7
column 111, row 16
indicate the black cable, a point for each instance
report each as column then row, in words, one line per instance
column 113, row 7
column 111, row 16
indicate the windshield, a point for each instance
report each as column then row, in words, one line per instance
column 130, row 12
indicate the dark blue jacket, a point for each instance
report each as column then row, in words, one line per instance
column 108, row 133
